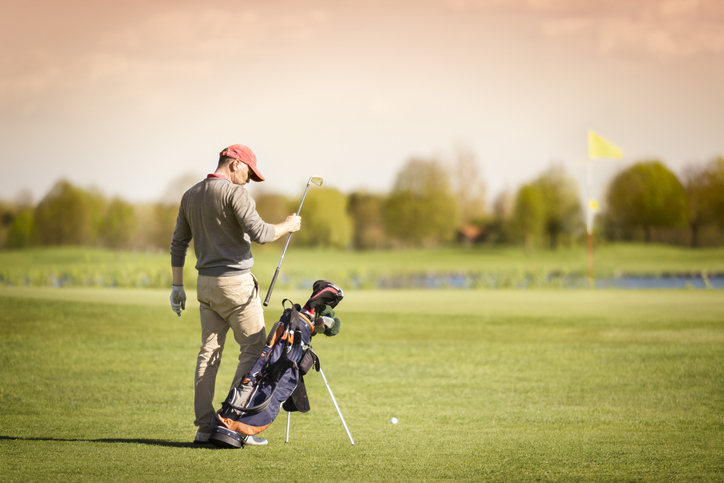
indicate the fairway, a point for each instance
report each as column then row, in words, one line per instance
column 551, row 385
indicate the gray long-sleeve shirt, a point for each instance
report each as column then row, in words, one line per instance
column 222, row 219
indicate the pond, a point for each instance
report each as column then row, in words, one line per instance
column 664, row 282
column 497, row 281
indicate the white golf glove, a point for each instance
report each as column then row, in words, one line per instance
column 178, row 299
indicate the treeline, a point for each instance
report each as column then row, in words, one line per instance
column 647, row 202
column 432, row 203
column 70, row 215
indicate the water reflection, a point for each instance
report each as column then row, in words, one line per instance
column 497, row 281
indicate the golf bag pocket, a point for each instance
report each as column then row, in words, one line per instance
column 239, row 395
column 309, row 359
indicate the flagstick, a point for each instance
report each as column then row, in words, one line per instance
column 597, row 148
column 590, row 260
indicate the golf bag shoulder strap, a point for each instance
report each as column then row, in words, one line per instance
column 276, row 332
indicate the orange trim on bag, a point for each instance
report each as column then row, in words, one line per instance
column 281, row 334
column 309, row 321
column 277, row 333
column 243, row 428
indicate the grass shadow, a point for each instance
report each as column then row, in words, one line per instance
column 151, row 442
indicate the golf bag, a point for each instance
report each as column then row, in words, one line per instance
column 277, row 377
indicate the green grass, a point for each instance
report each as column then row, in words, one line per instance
column 87, row 266
column 509, row 266
column 487, row 385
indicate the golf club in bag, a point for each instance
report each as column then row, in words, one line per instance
column 317, row 180
column 277, row 378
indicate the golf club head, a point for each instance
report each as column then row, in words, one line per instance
column 316, row 180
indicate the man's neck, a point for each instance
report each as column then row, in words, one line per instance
column 223, row 171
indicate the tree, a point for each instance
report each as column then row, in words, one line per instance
column 365, row 209
column 178, row 186
column 500, row 228
column 273, row 208
column 561, row 204
column 8, row 212
column 704, row 186
column 716, row 173
column 529, row 214
column 421, row 208
column 548, row 207
column 69, row 215
column 468, row 188
column 700, row 196
column 120, row 224
column 503, row 206
column 163, row 217
column 23, row 232
column 645, row 196
column 156, row 223
column 325, row 221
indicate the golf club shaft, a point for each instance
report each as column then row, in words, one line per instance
column 336, row 406
column 276, row 273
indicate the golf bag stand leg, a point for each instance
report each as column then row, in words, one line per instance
column 336, row 406
column 289, row 420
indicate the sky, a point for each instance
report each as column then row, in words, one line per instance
column 132, row 96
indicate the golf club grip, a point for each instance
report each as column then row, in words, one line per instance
column 271, row 287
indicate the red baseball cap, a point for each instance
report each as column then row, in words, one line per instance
column 246, row 156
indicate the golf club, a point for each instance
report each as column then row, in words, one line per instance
column 317, row 180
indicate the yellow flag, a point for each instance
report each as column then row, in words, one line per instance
column 600, row 148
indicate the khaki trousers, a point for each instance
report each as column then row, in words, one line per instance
column 226, row 303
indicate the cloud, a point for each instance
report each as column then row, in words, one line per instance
column 566, row 26
column 668, row 29
column 137, row 46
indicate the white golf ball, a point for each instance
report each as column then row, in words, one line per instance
column 393, row 420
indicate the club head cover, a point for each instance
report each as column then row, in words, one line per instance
column 323, row 319
column 326, row 311
column 324, row 292
column 334, row 330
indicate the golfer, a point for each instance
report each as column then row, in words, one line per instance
column 220, row 216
